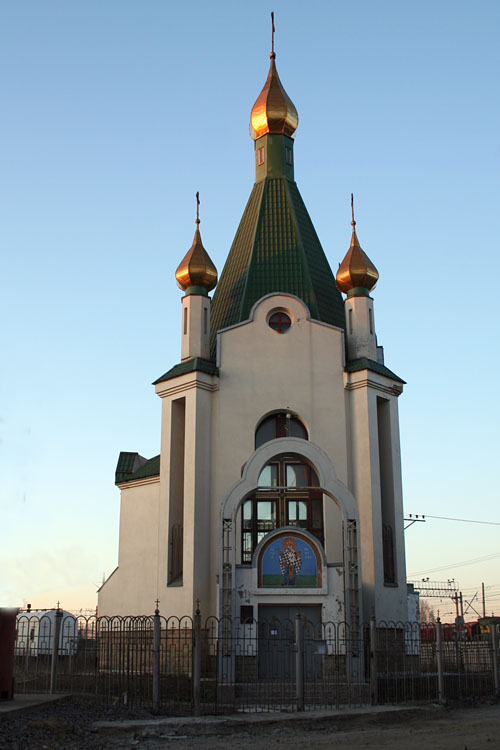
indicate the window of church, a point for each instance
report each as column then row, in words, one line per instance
column 280, row 322
column 288, row 494
column 386, row 488
column 281, row 424
column 288, row 156
column 268, row 477
column 176, row 492
column 260, row 156
column 300, row 475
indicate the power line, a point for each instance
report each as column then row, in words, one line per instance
column 463, row 520
column 456, row 565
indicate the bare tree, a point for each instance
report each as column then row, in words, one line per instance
column 426, row 611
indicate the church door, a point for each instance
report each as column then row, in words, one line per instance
column 277, row 641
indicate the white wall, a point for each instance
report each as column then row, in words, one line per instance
column 133, row 587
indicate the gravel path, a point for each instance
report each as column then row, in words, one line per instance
column 69, row 724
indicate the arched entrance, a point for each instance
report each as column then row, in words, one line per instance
column 283, row 451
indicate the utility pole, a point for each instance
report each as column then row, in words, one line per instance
column 484, row 601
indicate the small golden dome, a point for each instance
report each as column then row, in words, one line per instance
column 196, row 268
column 274, row 111
column 356, row 270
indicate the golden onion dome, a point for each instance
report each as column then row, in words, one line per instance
column 274, row 111
column 196, row 268
column 356, row 270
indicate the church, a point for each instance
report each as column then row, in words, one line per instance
column 277, row 489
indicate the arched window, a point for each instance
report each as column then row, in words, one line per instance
column 288, row 494
column 281, row 424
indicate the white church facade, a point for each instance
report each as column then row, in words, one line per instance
column 278, row 487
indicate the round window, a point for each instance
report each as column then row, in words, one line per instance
column 280, row 322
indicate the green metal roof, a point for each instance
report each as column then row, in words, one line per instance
column 276, row 249
column 190, row 365
column 132, row 466
column 363, row 363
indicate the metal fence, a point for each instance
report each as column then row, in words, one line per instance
column 208, row 666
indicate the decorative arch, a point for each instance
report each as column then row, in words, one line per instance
column 321, row 462
column 330, row 485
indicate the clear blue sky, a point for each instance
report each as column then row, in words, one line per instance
column 114, row 113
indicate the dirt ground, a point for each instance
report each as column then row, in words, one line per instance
column 69, row 725
column 463, row 729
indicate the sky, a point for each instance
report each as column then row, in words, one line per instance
column 115, row 112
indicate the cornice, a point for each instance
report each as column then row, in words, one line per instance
column 168, row 388
column 138, row 482
column 368, row 381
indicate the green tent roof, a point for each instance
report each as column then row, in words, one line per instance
column 276, row 249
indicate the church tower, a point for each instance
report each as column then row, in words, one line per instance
column 278, row 485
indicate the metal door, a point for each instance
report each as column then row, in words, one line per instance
column 277, row 640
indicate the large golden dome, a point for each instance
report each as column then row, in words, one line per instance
column 196, row 268
column 356, row 270
column 274, row 111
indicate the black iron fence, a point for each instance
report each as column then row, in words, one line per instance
column 208, row 666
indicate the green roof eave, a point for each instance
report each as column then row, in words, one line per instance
column 363, row 363
column 132, row 466
column 195, row 364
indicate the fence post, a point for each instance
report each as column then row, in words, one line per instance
column 373, row 661
column 156, row 658
column 439, row 654
column 55, row 650
column 299, row 662
column 197, row 662
column 494, row 645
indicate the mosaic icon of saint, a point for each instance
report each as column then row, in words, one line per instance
column 290, row 561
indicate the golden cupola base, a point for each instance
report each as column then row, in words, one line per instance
column 196, row 274
column 274, row 111
column 356, row 275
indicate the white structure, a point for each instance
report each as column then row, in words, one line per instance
column 35, row 632
column 278, row 484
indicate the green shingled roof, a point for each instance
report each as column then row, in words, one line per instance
column 363, row 363
column 132, row 466
column 275, row 249
column 190, row 365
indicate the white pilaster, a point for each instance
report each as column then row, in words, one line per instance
column 376, row 496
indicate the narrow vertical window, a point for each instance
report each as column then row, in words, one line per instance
column 350, row 321
column 288, row 156
column 176, row 492
column 370, row 316
column 185, row 320
column 386, row 489
column 205, row 321
column 260, row 156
